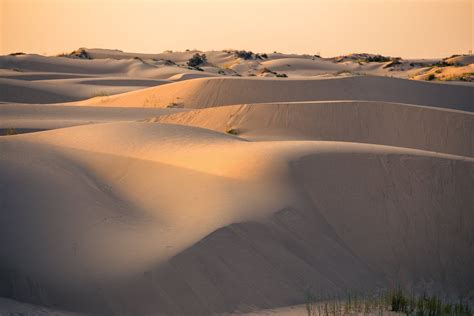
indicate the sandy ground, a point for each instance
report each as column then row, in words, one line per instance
column 197, row 192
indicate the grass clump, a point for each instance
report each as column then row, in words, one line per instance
column 396, row 301
column 100, row 93
column 232, row 131
column 10, row 131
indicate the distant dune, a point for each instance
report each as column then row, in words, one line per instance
column 209, row 92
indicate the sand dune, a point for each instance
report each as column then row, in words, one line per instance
column 448, row 73
column 128, row 180
column 25, row 63
column 425, row 128
column 209, row 92
column 462, row 60
column 307, row 67
column 25, row 117
column 176, row 191
column 66, row 90
column 10, row 307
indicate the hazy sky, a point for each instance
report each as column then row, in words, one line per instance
column 408, row 28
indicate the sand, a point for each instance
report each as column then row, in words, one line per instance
column 206, row 194
column 428, row 128
column 210, row 92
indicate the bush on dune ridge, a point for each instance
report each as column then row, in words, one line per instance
column 197, row 60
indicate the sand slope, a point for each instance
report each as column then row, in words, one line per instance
column 382, row 123
column 209, row 92
column 66, row 90
column 28, row 117
column 130, row 243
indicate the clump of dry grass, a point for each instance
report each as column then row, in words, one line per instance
column 394, row 301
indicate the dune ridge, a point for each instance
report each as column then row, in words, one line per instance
column 209, row 92
column 426, row 128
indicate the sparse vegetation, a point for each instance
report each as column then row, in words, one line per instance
column 197, row 60
column 16, row 54
column 395, row 301
column 431, row 77
column 363, row 58
column 232, row 131
column 279, row 75
column 169, row 62
column 244, row 54
column 175, row 104
column 393, row 63
column 343, row 72
column 80, row 53
column 378, row 59
column 10, row 131
column 441, row 64
column 100, row 93
column 467, row 77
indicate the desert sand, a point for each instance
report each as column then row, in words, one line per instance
column 132, row 184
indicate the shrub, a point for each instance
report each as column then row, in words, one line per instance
column 378, row 59
column 169, row 62
column 394, row 62
column 279, row 75
column 80, row 53
column 441, row 64
column 232, row 131
column 431, row 77
column 16, row 54
column 197, row 60
column 244, row 54
column 266, row 70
